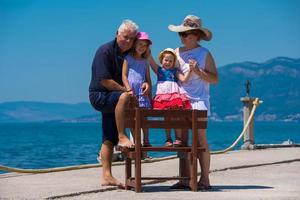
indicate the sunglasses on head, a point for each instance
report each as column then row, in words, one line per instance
column 185, row 34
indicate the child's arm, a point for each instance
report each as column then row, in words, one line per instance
column 151, row 60
column 183, row 77
column 125, row 75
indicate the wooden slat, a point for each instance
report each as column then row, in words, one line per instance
column 178, row 119
column 172, row 113
column 165, row 178
column 164, row 125
column 172, row 124
column 172, row 149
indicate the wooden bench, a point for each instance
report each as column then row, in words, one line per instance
column 137, row 118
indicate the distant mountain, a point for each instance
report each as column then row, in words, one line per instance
column 275, row 81
column 39, row 111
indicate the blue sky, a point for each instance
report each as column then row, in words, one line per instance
column 47, row 46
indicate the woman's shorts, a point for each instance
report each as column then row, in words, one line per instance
column 201, row 105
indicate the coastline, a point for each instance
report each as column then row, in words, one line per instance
column 265, row 174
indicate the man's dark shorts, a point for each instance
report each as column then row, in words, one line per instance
column 106, row 102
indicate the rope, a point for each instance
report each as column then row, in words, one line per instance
column 60, row 169
column 256, row 102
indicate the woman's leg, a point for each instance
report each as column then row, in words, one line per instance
column 184, row 169
column 204, row 159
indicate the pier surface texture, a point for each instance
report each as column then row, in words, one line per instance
column 259, row 174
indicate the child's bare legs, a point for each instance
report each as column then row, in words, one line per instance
column 178, row 138
column 168, row 134
column 169, row 141
column 146, row 142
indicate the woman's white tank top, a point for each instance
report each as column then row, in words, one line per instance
column 195, row 88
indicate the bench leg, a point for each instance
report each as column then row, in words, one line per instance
column 128, row 174
column 138, row 181
column 193, row 176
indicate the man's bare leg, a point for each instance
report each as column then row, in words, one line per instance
column 106, row 159
column 120, row 115
column 204, row 159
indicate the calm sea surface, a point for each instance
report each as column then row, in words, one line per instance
column 46, row 145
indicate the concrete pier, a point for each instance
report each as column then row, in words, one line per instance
column 258, row 174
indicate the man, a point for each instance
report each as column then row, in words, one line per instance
column 108, row 95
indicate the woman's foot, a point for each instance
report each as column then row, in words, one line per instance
column 204, row 187
column 169, row 143
column 179, row 186
column 177, row 143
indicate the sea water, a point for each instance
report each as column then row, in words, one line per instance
column 46, row 145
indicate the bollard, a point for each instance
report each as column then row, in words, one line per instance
column 249, row 134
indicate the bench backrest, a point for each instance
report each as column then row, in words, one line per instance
column 182, row 119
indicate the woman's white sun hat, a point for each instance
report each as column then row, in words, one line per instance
column 191, row 22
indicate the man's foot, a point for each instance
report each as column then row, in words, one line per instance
column 125, row 142
column 111, row 181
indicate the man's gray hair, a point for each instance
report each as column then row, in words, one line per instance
column 128, row 24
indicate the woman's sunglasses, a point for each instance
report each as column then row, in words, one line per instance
column 185, row 34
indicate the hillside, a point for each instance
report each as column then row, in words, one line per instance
column 275, row 81
column 40, row 111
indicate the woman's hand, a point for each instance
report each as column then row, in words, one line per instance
column 195, row 67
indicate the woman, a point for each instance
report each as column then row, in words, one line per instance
column 192, row 56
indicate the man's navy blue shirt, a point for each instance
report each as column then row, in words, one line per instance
column 107, row 64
